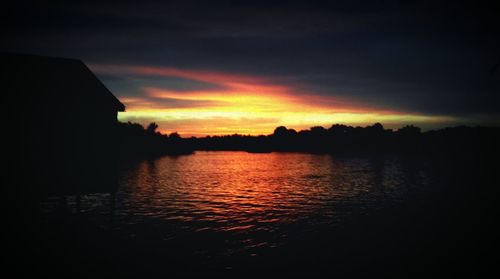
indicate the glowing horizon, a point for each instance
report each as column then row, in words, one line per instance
column 244, row 105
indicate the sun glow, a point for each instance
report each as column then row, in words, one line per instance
column 243, row 105
column 250, row 114
column 206, row 122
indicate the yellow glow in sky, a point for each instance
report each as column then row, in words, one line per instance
column 245, row 105
column 246, row 113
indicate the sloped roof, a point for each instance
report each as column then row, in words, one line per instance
column 41, row 80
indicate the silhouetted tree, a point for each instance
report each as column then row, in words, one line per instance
column 339, row 129
column 318, row 130
column 280, row 131
column 174, row 136
column 377, row 127
column 140, row 142
column 409, row 131
column 152, row 128
column 137, row 142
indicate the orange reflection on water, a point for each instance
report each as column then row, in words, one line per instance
column 231, row 191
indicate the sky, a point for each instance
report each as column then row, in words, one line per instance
column 224, row 67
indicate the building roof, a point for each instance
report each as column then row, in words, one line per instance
column 44, row 81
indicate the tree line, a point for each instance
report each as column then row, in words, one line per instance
column 139, row 141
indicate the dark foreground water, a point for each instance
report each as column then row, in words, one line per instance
column 237, row 211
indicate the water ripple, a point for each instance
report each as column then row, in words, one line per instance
column 250, row 201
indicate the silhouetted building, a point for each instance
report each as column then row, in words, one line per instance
column 63, row 122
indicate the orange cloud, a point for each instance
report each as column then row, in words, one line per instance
column 242, row 104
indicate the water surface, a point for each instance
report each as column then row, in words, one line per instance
column 216, row 206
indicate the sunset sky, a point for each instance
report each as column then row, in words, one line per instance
column 210, row 67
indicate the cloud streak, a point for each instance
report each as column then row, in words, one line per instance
column 293, row 62
column 243, row 104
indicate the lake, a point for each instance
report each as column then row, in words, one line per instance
column 228, row 210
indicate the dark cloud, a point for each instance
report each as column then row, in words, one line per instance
column 130, row 86
column 429, row 57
